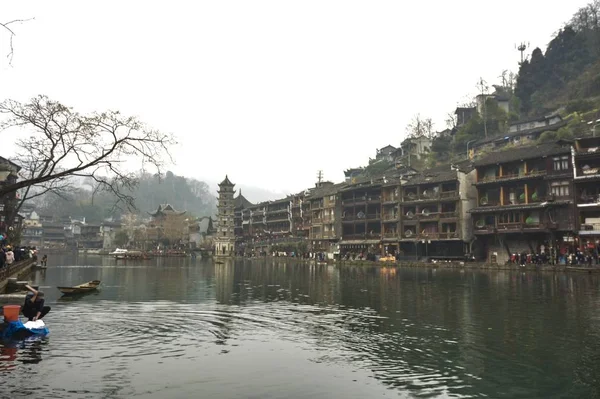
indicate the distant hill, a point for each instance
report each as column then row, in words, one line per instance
column 567, row 74
column 252, row 193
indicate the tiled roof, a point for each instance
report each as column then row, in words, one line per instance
column 319, row 192
column 226, row 182
column 442, row 173
column 431, row 177
column 166, row 209
column 522, row 153
column 242, row 202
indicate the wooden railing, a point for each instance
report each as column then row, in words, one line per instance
column 448, row 215
column 448, row 194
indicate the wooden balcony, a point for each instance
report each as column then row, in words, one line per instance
column 512, row 177
column 390, row 200
column 278, row 219
column 448, row 215
column 355, row 201
column 428, row 216
column 362, row 236
column 448, row 194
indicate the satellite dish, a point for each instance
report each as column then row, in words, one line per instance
column 410, row 214
column 408, row 233
column 425, row 212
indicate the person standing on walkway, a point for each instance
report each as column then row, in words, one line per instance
column 10, row 256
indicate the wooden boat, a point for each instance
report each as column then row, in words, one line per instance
column 81, row 288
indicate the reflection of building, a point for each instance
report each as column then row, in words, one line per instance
column 225, row 238
column 524, row 199
column 586, row 154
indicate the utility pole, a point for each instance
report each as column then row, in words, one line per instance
column 483, row 88
column 319, row 178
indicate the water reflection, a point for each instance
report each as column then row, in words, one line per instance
column 180, row 327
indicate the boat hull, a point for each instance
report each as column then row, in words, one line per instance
column 80, row 289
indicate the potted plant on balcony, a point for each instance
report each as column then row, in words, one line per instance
column 522, row 197
column 530, row 221
column 534, row 196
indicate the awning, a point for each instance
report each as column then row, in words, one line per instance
column 589, row 232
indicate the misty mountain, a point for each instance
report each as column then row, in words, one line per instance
column 252, row 193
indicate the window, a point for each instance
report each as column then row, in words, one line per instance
column 510, row 217
column 560, row 188
column 561, row 163
column 1, row 207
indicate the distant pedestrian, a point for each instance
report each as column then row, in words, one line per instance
column 10, row 256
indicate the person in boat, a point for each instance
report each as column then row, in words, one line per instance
column 34, row 308
column 44, row 260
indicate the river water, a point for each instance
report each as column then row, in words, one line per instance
column 183, row 328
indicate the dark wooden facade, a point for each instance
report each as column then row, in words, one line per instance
column 524, row 199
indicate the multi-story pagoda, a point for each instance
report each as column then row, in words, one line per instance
column 225, row 238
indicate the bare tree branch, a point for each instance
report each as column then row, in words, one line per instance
column 61, row 145
column 12, row 34
column 419, row 127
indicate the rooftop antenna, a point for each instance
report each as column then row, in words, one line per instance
column 320, row 177
column 522, row 47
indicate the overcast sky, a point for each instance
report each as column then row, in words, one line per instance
column 270, row 92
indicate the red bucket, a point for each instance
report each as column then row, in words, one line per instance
column 11, row 312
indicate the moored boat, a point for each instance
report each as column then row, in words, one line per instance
column 81, row 288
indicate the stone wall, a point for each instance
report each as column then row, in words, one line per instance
column 18, row 270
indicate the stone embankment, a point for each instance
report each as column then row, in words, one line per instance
column 451, row 265
column 17, row 270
